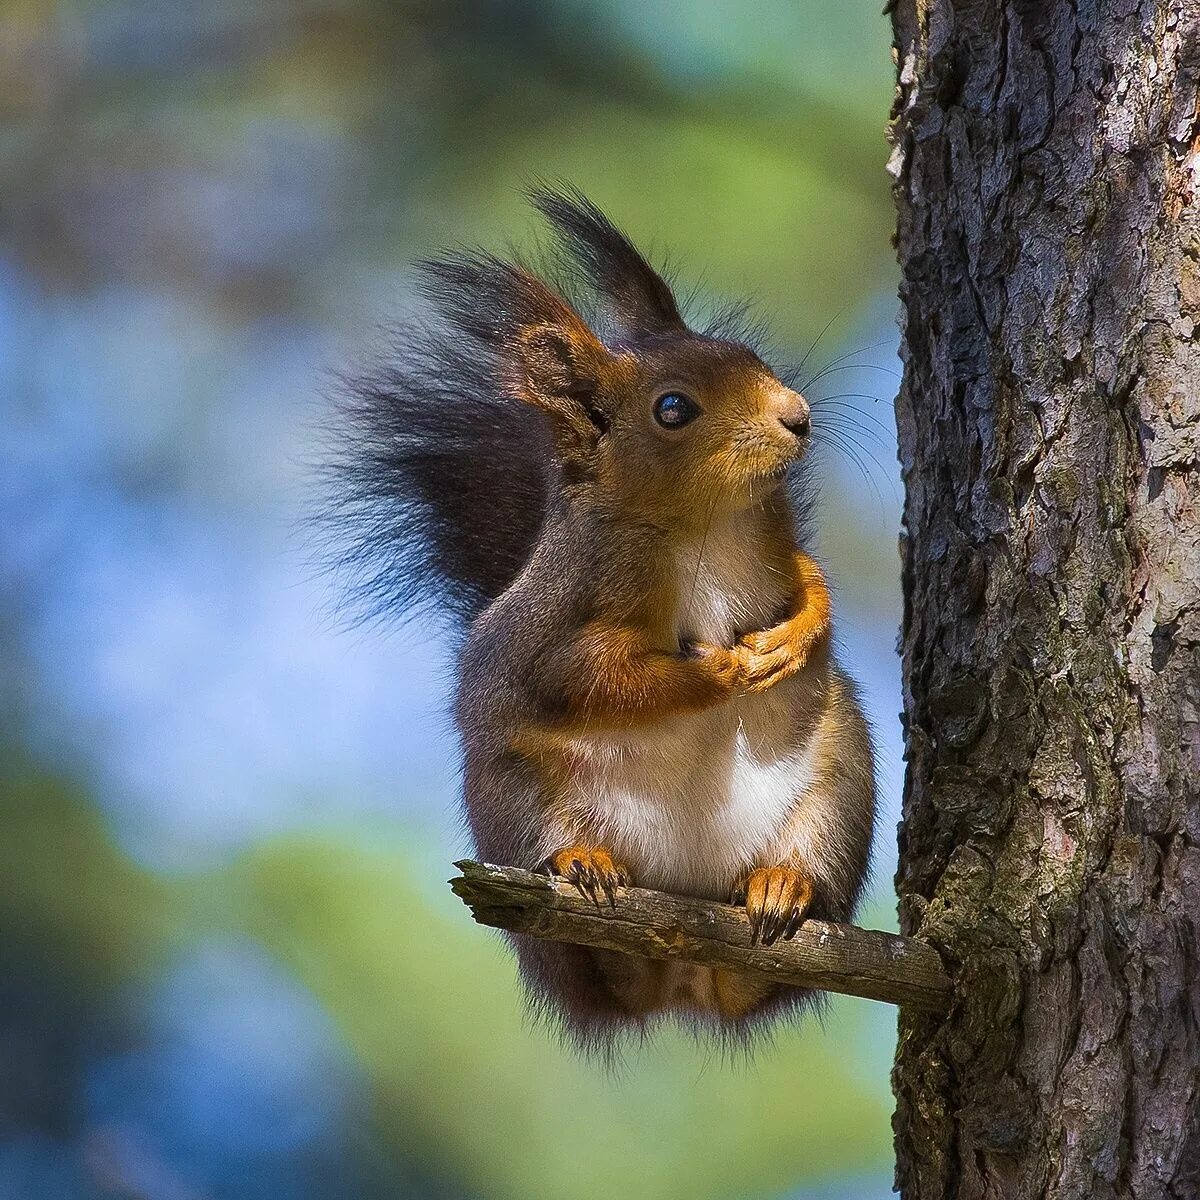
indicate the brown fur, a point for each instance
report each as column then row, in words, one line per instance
column 586, row 644
column 647, row 691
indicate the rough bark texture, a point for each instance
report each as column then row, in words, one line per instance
column 1046, row 160
column 825, row 955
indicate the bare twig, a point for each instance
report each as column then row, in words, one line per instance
column 834, row 958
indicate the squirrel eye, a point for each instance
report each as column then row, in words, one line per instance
column 674, row 410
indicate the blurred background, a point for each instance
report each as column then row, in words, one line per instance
column 229, row 964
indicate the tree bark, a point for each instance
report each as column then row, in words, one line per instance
column 1045, row 161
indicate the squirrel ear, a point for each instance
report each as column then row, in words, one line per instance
column 547, row 355
column 559, row 368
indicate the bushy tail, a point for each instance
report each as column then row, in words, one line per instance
column 438, row 481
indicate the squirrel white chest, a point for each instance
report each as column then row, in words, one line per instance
column 690, row 803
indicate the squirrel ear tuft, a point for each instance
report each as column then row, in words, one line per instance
column 638, row 297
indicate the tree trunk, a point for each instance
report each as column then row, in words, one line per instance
column 1046, row 164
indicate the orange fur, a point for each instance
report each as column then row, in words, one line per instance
column 776, row 900
column 619, row 677
column 737, row 996
column 775, row 654
column 591, row 869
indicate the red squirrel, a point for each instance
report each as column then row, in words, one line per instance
column 646, row 690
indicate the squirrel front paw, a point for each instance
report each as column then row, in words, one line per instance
column 769, row 656
column 722, row 665
column 590, row 869
column 777, row 900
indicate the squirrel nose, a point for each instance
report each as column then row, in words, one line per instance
column 795, row 415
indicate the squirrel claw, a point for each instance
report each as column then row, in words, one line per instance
column 590, row 870
column 777, row 900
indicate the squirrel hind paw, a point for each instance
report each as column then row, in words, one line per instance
column 777, row 900
column 591, row 870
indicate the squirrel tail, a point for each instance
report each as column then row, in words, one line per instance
column 437, row 481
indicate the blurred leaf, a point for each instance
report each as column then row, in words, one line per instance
column 742, row 209
column 68, row 892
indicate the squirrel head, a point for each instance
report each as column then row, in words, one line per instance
column 653, row 420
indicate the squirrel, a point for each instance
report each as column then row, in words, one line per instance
column 609, row 509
